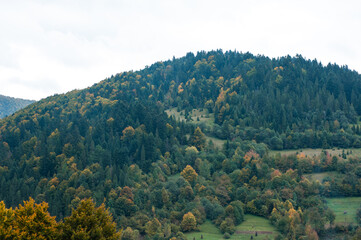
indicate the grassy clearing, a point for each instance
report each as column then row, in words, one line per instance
column 340, row 205
column 216, row 141
column 174, row 177
column 243, row 231
column 197, row 116
column 208, row 230
column 252, row 224
column 320, row 176
column 356, row 152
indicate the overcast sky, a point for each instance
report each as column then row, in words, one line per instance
column 49, row 47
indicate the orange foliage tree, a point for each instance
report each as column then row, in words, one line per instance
column 189, row 174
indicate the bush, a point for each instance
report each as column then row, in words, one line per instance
column 227, row 235
column 227, row 226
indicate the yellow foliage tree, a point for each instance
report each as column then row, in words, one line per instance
column 33, row 221
column 189, row 174
column 198, row 139
column 128, row 133
column 6, row 220
column 89, row 222
column 189, row 222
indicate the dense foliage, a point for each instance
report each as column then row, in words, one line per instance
column 113, row 142
column 32, row 221
column 286, row 102
column 9, row 105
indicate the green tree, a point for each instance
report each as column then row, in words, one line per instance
column 153, row 227
column 357, row 234
column 358, row 215
column 238, row 213
column 227, row 226
column 130, row 234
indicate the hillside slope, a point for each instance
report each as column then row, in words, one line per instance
column 9, row 105
column 93, row 142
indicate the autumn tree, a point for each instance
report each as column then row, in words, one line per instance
column 89, row 222
column 311, row 233
column 6, row 221
column 198, row 139
column 189, row 222
column 189, row 174
column 31, row 221
column 153, row 227
column 128, row 133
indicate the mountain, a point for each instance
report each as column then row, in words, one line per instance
column 9, row 105
column 126, row 140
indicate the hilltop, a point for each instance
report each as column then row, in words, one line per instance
column 192, row 135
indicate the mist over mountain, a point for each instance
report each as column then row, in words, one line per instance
column 9, row 105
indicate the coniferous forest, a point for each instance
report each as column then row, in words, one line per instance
column 9, row 105
column 113, row 152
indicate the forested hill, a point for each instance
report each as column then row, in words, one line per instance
column 91, row 142
column 286, row 102
column 9, row 105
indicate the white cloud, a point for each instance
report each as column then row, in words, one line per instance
column 52, row 47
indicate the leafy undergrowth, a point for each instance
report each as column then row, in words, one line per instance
column 245, row 230
column 341, row 205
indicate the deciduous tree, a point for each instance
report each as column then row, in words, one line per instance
column 89, row 222
column 189, row 174
column 189, row 222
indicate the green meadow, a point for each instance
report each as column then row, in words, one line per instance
column 344, row 208
column 245, row 230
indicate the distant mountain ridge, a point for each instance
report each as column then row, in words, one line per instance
column 9, row 105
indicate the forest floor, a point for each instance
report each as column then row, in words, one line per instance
column 346, row 204
column 245, row 230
